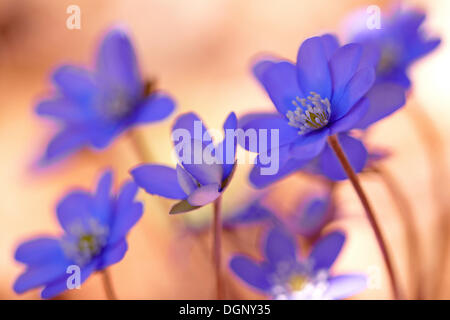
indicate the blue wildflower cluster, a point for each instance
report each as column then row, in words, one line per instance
column 324, row 102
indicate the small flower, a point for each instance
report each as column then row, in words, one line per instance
column 95, row 228
column 396, row 45
column 327, row 92
column 93, row 107
column 205, row 170
column 283, row 276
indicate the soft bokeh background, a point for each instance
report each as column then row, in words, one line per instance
column 200, row 51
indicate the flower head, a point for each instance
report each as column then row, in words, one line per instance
column 328, row 91
column 282, row 275
column 204, row 169
column 93, row 107
column 95, row 228
column 396, row 45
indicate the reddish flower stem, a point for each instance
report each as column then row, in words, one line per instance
column 217, row 246
column 334, row 144
column 107, row 284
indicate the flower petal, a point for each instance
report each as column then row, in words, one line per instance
column 309, row 145
column 185, row 180
column 312, row 67
column 356, row 88
column 227, row 148
column 76, row 83
column 355, row 152
column 158, row 179
column 204, row 195
column 103, row 197
column 74, row 209
column 344, row 286
column 326, row 250
column 385, row 98
column 352, row 118
column 63, row 144
column 280, row 247
column 62, row 109
column 330, row 44
column 39, row 250
column 113, row 254
column 156, row 107
column 250, row 272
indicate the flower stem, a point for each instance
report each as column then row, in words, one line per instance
column 107, row 284
column 334, row 144
column 217, row 246
column 406, row 213
column 432, row 141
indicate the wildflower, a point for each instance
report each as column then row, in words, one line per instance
column 325, row 93
column 95, row 228
column 94, row 107
column 282, row 275
column 204, row 170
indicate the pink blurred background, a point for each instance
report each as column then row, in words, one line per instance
column 200, row 51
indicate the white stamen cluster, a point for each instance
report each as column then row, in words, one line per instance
column 310, row 114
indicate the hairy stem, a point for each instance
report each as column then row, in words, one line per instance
column 411, row 230
column 334, row 144
column 107, row 284
column 217, row 246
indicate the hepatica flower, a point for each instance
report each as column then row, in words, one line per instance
column 95, row 228
column 396, row 45
column 327, row 92
column 283, row 275
column 204, row 170
column 93, row 107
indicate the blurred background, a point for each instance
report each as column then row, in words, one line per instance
column 200, row 51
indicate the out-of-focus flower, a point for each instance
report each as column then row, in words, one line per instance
column 93, row 107
column 205, row 170
column 95, row 228
column 282, row 275
column 312, row 214
column 396, row 45
column 325, row 93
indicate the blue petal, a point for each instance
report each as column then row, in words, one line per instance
column 344, row 286
column 309, row 145
column 343, row 66
column 280, row 247
column 281, row 83
column 259, row 180
column 63, row 144
column 355, row 152
column 226, row 156
column 313, row 216
column 38, row 251
column 185, row 180
column 128, row 213
column 59, row 286
column 330, row 44
column 261, row 66
column 204, row 195
column 75, row 83
column 158, row 179
column 385, row 98
column 113, row 254
column 62, row 109
column 192, row 124
column 256, row 122
column 74, row 209
column 117, row 65
column 356, row 88
column 326, row 250
column 253, row 213
column 155, row 108
column 250, row 272
column 312, row 67
column 103, row 197
column 352, row 118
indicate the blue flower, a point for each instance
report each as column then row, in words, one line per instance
column 95, row 228
column 327, row 92
column 93, row 107
column 282, row 275
column 205, row 170
column 396, row 45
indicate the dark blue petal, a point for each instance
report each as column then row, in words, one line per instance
column 74, row 209
column 193, row 124
column 343, row 66
column 355, row 152
column 250, row 272
column 312, row 67
column 309, row 145
column 155, row 108
column 356, row 88
column 326, row 250
column 384, row 98
column 280, row 82
column 225, row 153
column 185, row 180
column 38, row 251
column 344, row 286
column 330, row 44
column 261, row 66
column 312, row 216
column 204, row 195
column 352, row 118
column 113, row 254
column 63, row 144
column 62, row 109
column 117, row 65
column 103, row 197
column 75, row 83
column 280, row 248
column 158, row 179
